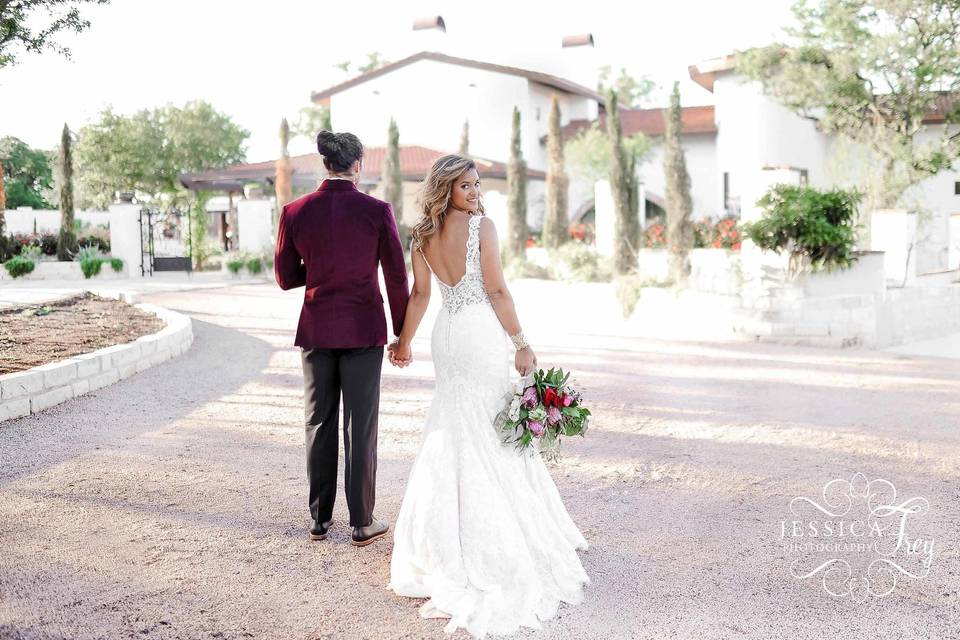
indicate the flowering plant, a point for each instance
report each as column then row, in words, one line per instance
column 542, row 408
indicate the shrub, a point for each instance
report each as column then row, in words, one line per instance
column 31, row 252
column 8, row 248
column 234, row 266
column 95, row 241
column 254, row 265
column 90, row 259
column 116, row 264
column 48, row 244
column 18, row 266
column 722, row 234
column 629, row 289
column 816, row 226
column 577, row 262
column 523, row 268
column 583, row 232
column 654, row 236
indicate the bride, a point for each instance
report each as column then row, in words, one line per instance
column 482, row 531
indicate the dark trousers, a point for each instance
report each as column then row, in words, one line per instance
column 356, row 374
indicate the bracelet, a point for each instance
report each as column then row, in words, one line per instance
column 519, row 341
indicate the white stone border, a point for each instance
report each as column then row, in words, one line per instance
column 25, row 392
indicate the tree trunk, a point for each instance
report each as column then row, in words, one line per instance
column 67, row 243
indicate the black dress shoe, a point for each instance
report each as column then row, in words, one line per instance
column 319, row 529
column 363, row 536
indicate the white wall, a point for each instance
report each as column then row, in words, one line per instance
column 755, row 132
column 430, row 101
column 48, row 220
column 435, row 117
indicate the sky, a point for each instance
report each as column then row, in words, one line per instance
column 259, row 61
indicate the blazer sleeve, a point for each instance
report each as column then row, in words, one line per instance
column 288, row 265
column 394, row 268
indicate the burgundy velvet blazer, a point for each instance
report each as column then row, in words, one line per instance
column 341, row 234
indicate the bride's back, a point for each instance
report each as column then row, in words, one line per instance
column 446, row 250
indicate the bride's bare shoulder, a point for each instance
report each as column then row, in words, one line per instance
column 488, row 230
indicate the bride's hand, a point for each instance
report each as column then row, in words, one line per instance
column 525, row 361
column 400, row 355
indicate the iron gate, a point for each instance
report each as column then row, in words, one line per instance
column 163, row 245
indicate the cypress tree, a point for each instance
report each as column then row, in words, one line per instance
column 67, row 243
column 623, row 185
column 283, row 180
column 679, row 204
column 556, row 221
column 516, row 245
column 392, row 180
column 465, row 138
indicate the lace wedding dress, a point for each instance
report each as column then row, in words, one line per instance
column 482, row 531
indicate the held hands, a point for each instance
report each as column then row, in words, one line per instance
column 525, row 361
column 399, row 354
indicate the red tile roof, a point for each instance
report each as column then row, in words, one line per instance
column 651, row 123
column 534, row 76
column 415, row 161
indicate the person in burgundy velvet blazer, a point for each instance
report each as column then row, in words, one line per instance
column 331, row 242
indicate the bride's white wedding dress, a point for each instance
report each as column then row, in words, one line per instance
column 482, row 531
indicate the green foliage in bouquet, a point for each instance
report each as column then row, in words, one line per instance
column 543, row 408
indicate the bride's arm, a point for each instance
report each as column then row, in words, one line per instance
column 500, row 298
column 416, row 306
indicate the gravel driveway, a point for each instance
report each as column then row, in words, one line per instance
column 172, row 504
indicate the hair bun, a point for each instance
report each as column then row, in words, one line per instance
column 328, row 143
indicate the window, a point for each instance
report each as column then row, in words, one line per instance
column 538, row 114
column 956, row 188
column 804, row 178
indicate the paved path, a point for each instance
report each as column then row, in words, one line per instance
column 172, row 505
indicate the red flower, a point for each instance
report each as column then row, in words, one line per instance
column 551, row 399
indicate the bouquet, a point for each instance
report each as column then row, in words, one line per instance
column 541, row 409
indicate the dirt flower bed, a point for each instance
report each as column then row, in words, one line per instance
column 31, row 335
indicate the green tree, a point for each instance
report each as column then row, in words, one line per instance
column 391, row 178
column 465, row 139
column 632, row 92
column 624, row 188
column 556, row 222
column 28, row 174
column 31, row 26
column 67, row 244
column 311, row 121
column 587, row 153
column 516, row 245
column 871, row 71
column 679, row 203
column 147, row 151
column 374, row 61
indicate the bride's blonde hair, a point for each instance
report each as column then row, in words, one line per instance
column 435, row 195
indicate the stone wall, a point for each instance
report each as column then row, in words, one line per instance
column 31, row 391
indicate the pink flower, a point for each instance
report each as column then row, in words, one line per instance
column 535, row 427
column 530, row 398
column 553, row 415
column 567, row 400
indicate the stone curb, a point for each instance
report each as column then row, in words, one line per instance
column 26, row 392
